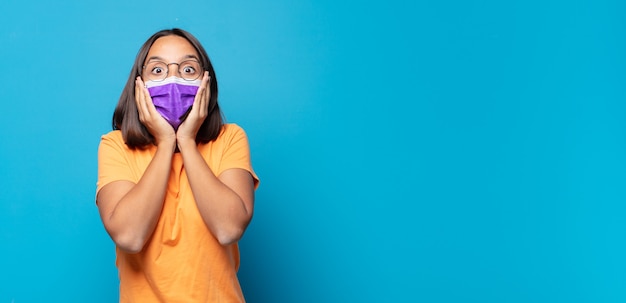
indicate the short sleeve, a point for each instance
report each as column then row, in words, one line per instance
column 113, row 161
column 236, row 152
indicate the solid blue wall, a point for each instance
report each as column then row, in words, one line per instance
column 420, row 151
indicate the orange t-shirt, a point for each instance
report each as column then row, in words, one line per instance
column 182, row 261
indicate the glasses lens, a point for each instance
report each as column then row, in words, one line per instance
column 190, row 70
column 155, row 71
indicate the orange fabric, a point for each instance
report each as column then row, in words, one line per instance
column 182, row 261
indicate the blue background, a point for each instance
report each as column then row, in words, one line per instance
column 409, row 151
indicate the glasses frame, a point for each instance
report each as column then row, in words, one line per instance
column 167, row 69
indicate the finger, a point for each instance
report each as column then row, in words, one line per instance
column 206, row 93
column 146, row 101
column 198, row 102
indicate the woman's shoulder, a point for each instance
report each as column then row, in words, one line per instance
column 114, row 135
column 231, row 129
column 115, row 139
column 230, row 133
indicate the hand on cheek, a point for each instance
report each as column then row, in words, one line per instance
column 199, row 112
column 148, row 115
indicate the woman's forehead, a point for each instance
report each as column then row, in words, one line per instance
column 172, row 48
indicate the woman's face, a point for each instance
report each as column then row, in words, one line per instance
column 172, row 56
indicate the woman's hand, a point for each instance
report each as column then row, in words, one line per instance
column 188, row 130
column 162, row 131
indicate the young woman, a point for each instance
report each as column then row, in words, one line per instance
column 175, row 183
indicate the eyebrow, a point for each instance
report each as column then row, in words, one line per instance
column 183, row 59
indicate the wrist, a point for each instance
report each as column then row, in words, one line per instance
column 185, row 143
column 166, row 143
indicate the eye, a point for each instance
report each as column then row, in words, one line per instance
column 189, row 68
column 157, row 70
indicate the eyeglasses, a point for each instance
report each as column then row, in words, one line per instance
column 157, row 70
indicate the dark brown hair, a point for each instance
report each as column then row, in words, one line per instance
column 126, row 116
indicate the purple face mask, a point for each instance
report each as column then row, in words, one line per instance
column 173, row 97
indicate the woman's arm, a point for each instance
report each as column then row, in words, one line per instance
column 226, row 202
column 131, row 211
